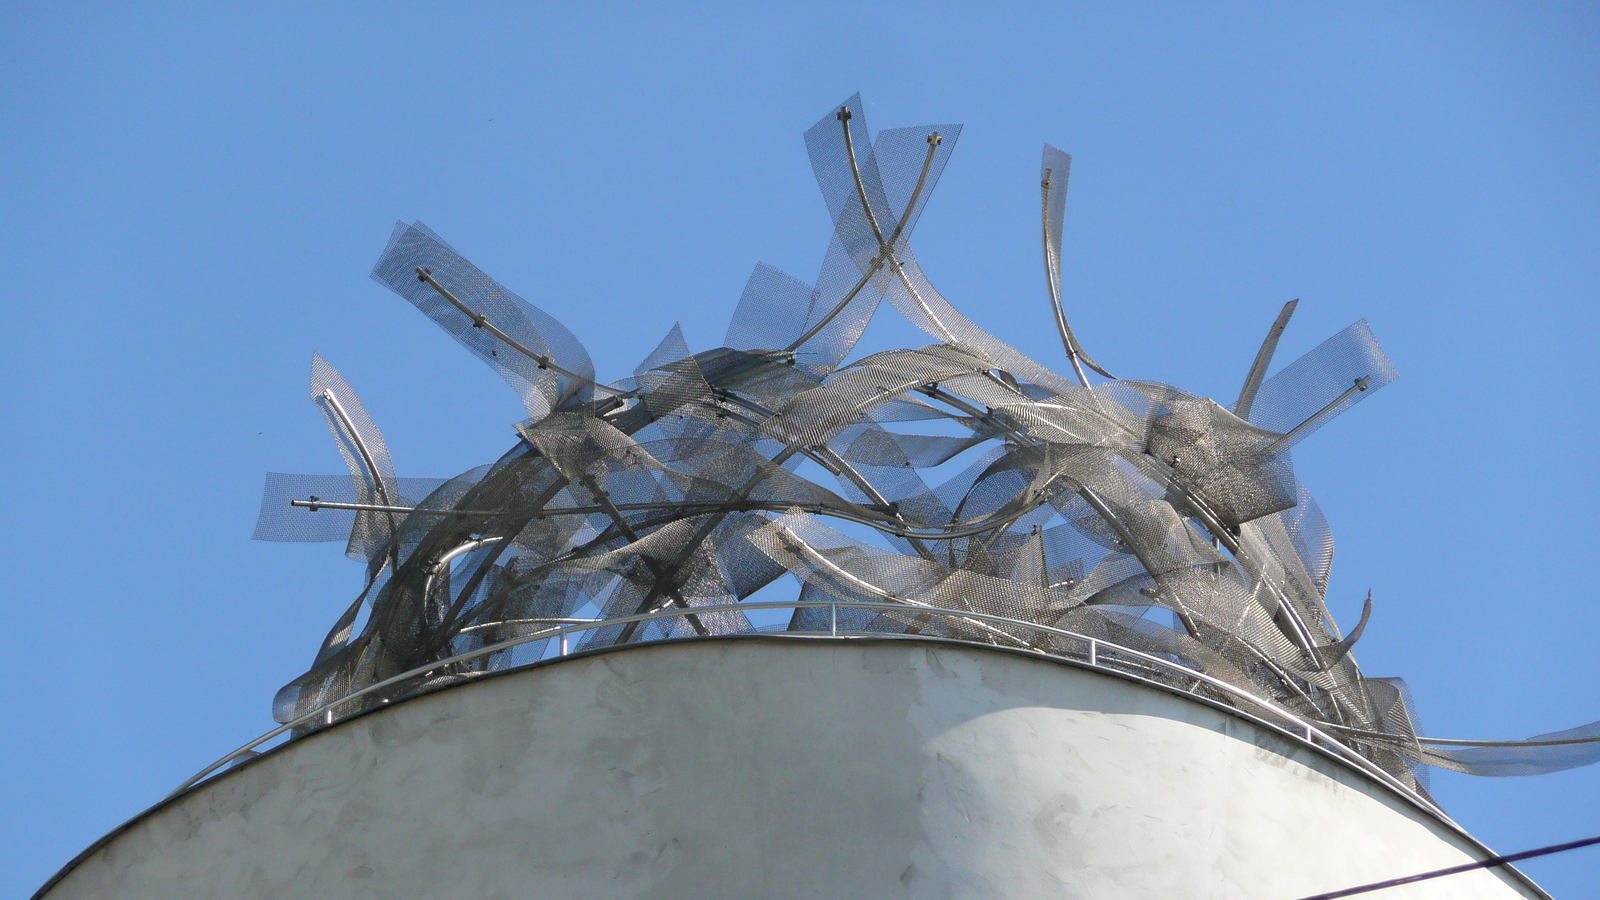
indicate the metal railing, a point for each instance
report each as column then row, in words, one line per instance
column 1098, row 654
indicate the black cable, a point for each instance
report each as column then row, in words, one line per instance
column 1490, row 863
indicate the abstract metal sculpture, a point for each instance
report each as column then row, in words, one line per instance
column 1127, row 512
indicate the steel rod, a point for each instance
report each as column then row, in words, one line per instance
column 1291, row 434
column 704, row 508
column 1258, row 368
column 481, row 321
column 934, row 140
column 1052, row 278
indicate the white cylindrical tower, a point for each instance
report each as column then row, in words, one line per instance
column 788, row 768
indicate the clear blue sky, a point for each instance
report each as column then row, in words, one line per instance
column 192, row 198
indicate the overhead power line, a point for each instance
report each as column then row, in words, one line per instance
column 1490, row 863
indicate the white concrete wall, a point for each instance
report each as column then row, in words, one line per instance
column 784, row 769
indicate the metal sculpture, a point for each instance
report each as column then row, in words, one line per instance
column 1129, row 511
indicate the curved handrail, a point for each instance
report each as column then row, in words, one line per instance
column 1301, row 730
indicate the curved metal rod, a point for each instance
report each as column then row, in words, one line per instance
column 885, row 251
column 665, row 580
column 1302, row 730
column 361, row 445
column 1052, row 278
column 1297, row 629
column 551, row 620
column 899, row 269
column 463, row 549
column 1458, row 742
column 877, row 261
column 1326, row 657
column 934, row 140
column 844, row 116
column 315, row 505
column 371, row 465
column 936, row 392
column 480, row 321
column 871, row 589
column 1101, row 507
column 444, row 560
column 808, row 452
column 836, row 464
column 1258, row 369
column 1461, row 742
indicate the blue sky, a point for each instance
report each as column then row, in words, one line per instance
column 193, row 197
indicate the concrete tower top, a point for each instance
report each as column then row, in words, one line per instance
column 757, row 767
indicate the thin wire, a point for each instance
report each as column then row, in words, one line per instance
column 1490, row 863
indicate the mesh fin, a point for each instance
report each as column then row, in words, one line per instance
column 1531, row 757
column 365, row 453
column 542, row 389
column 278, row 521
column 771, row 312
column 1309, row 385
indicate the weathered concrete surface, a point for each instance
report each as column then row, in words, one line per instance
column 779, row 769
